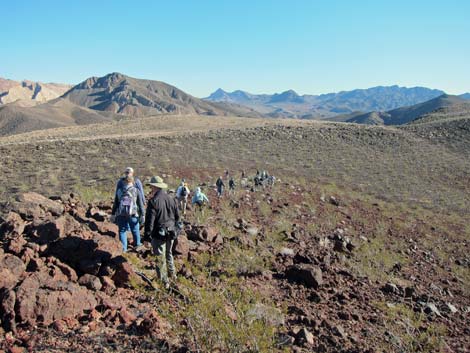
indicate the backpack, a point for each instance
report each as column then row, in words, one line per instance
column 128, row 203
column 184, row 191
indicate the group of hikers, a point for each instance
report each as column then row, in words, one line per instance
column 159, row 214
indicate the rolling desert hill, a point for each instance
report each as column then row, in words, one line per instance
column 446, row 104
column 360, row 246
column 28, row 92
column 59, row 112
column 292, row 105
column 121, row 94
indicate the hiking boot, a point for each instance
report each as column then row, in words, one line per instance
column 139, row 248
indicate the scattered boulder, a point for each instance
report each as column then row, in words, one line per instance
column 124, row 273
column 153, row 325
column 390, row 288
column 90, row 281
column 97, row 214
column 209, row 234
column 334, row 201
column 7, row 306
column 16, row 245
column 127, row 317
column 287, row 252
column 108, row 285
column 11, row 270
column 252, row 231
column 181, row 247
column 450, row 308
column 13, row 224
column 308, row 275
column 85, row 255
column 305, row 337
column 33, row 205
column 431, row 309
column 203, row 234
column 41, row 299
column 51, row 230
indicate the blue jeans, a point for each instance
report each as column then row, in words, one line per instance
column 126, row 224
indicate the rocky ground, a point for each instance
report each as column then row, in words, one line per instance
column 295, row 268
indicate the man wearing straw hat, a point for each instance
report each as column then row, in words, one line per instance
column 161, row 221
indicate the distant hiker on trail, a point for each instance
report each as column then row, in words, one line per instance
column 227, row 174
column 220, row 186
column 199, row 198
column 161, row 228
column 271, row 180
column 231, row 185
column 138, row 184
column 243, row 175
column 128, row 212
column 182, row 194
column 257, row 181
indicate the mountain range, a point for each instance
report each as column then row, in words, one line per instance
column 27, row 106
column 450, row 105
column 111, row 97
column 291, row 104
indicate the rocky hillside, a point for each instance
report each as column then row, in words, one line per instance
column 445, row 104
column 121, row 94
column 291, row 104
column 295, row 267
column 29, row 93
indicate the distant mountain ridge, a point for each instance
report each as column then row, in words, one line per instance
column 446, row 104
column 291, row 104
column 29, row 92
column 121, row 94
column 109, row 98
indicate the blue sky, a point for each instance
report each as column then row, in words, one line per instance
column 260, row 46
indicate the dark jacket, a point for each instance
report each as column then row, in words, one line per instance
column 162, row 212
column 219, row 183
column 139, row 201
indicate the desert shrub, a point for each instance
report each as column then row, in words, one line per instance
column 410, row 331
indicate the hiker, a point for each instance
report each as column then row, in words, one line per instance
column 243, row 175
column 271, row 180
column 128, row 212
column 231, row 185
column 227, row 174
column 129, row 171
column 199, row 198
column 220, row 186
column 182, row 194
column 257, row 182
column 161, row 228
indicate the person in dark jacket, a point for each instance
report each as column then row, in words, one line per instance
column 220, row 186
column 161, row 222
column 231, row 185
